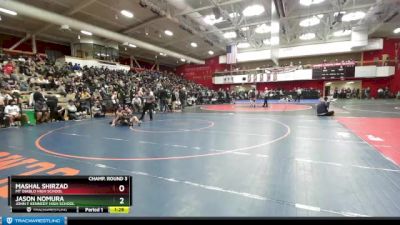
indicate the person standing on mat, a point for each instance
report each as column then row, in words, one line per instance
column 323, row 108
column 266, row 93
column 234, row 96
column 299, row 92
column 252, row 96
column 149, row 100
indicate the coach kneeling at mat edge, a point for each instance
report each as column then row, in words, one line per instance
column 323, row 108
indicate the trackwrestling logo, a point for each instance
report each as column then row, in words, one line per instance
column 34, row 220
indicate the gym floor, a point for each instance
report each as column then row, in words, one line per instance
column 229, row 160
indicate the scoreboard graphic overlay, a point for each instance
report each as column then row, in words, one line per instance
column 77, row 194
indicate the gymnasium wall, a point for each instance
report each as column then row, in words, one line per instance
column 393, row 82
column 304, row 60
column 203, row 73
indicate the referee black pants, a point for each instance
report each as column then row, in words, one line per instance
column 298, row 97
column 149, row 107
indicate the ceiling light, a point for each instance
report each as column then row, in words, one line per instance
column 312, row 21
column 86, row 32
column 243, row 45
column 245, row 28
column 231, row 34
column 253, row 10
column 163, row 54
column 353, row 16
column 126, row 13
column 307, row 36
column 341, row 33
column 234, row 15
column 183, row 60
column 267, row 42
column 397, row 30
column 262, row 29
column 8, row 11
column 132, row 45
column 211, row 20
column 210, row 52
column 193, row 44
column 310, row 2
column 168, row 32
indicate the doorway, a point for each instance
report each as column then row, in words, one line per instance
column 343, row 89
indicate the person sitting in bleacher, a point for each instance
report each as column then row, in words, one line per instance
column 137, row 103
column 72, row 111
column 59, row 114
column 82, row 110
column 4, row 98
column 97, row 110
column 13, row 113
column 61, row 90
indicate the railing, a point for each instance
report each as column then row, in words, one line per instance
column 15, row 52
column 306, row 66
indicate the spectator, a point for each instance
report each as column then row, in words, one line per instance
column 299, row 93
column 61, row 90
column 367, row 93
column 323, row 108
column 176, row 100
column 182, row 97
column 163, row 100
column 72, row 111
column 97, row 110
column 13, row 113
column 8, row 69
column 4, row 98
column 137, row 103
column 40, row 106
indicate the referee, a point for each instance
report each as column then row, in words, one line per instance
column 266, row 93
column 149, row 101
